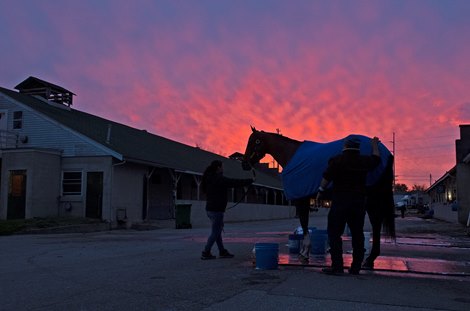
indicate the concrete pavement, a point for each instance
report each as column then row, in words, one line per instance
column 161, row 270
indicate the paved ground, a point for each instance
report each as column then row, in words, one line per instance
column 161, row 270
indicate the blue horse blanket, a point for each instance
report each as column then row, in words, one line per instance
column 303, row 173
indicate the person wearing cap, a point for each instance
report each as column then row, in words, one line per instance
column 348, row 172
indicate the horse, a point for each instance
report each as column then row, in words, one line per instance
column 303, row 164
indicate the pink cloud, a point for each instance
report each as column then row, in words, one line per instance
column 182, row 73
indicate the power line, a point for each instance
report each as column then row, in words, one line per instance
column 429, row 137
column 422, row 151
column 411, row 157
column 428, row 147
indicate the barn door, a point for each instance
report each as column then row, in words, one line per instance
column 94, row 194
column 17, row 195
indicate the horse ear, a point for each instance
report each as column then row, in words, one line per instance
column 253, row 128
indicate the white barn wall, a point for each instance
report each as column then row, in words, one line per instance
column 241, row 212
column 45, row 176
column 127, row 192
column 84, row 165
column 44, row 133
column 42, row 180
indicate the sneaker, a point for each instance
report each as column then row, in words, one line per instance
column 303, row 260
column 333, row 271
column 355, row 267
column 225, row 254
column 353, row 271
column 207, row 255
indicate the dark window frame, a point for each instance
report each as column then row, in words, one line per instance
column 17, row 120
column 72, row 182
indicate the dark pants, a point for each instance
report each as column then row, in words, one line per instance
column 346, row 209
column 217, row 220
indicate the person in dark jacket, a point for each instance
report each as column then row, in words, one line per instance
column 348, row 173
column 215, row 185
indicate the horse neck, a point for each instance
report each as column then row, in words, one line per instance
column 281, row 148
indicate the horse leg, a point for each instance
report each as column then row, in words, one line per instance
column 381, row 210
column 376, row 223
column 303, row 212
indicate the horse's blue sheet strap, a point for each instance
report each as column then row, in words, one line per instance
column 303, row 173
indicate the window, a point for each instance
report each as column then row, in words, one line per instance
column 72, row 183
column 17, row 120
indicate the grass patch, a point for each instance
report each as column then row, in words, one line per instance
column 13, row 226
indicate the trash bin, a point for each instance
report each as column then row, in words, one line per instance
column 183, row 216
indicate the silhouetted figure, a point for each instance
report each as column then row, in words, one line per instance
column 348, row 172
column 215, row 185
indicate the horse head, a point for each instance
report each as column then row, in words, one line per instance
column 255, row 149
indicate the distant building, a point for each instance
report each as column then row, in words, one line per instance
column 450, row 194
column 462, row 148
column 444, row 190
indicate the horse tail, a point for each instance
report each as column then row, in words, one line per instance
column 380, row 205
column 389, row 219
column 386, row 185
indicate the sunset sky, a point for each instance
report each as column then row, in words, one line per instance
column 201, row 72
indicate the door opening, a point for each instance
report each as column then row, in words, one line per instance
column 94, row 194
column 16, row 208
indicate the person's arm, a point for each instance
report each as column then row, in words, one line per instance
column 323, row 184
column 375, row 157
column 326, row 178
column 375, row 146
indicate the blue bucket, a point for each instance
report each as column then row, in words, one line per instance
column 267, row 256
column 319, row 240
column 294, row 243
